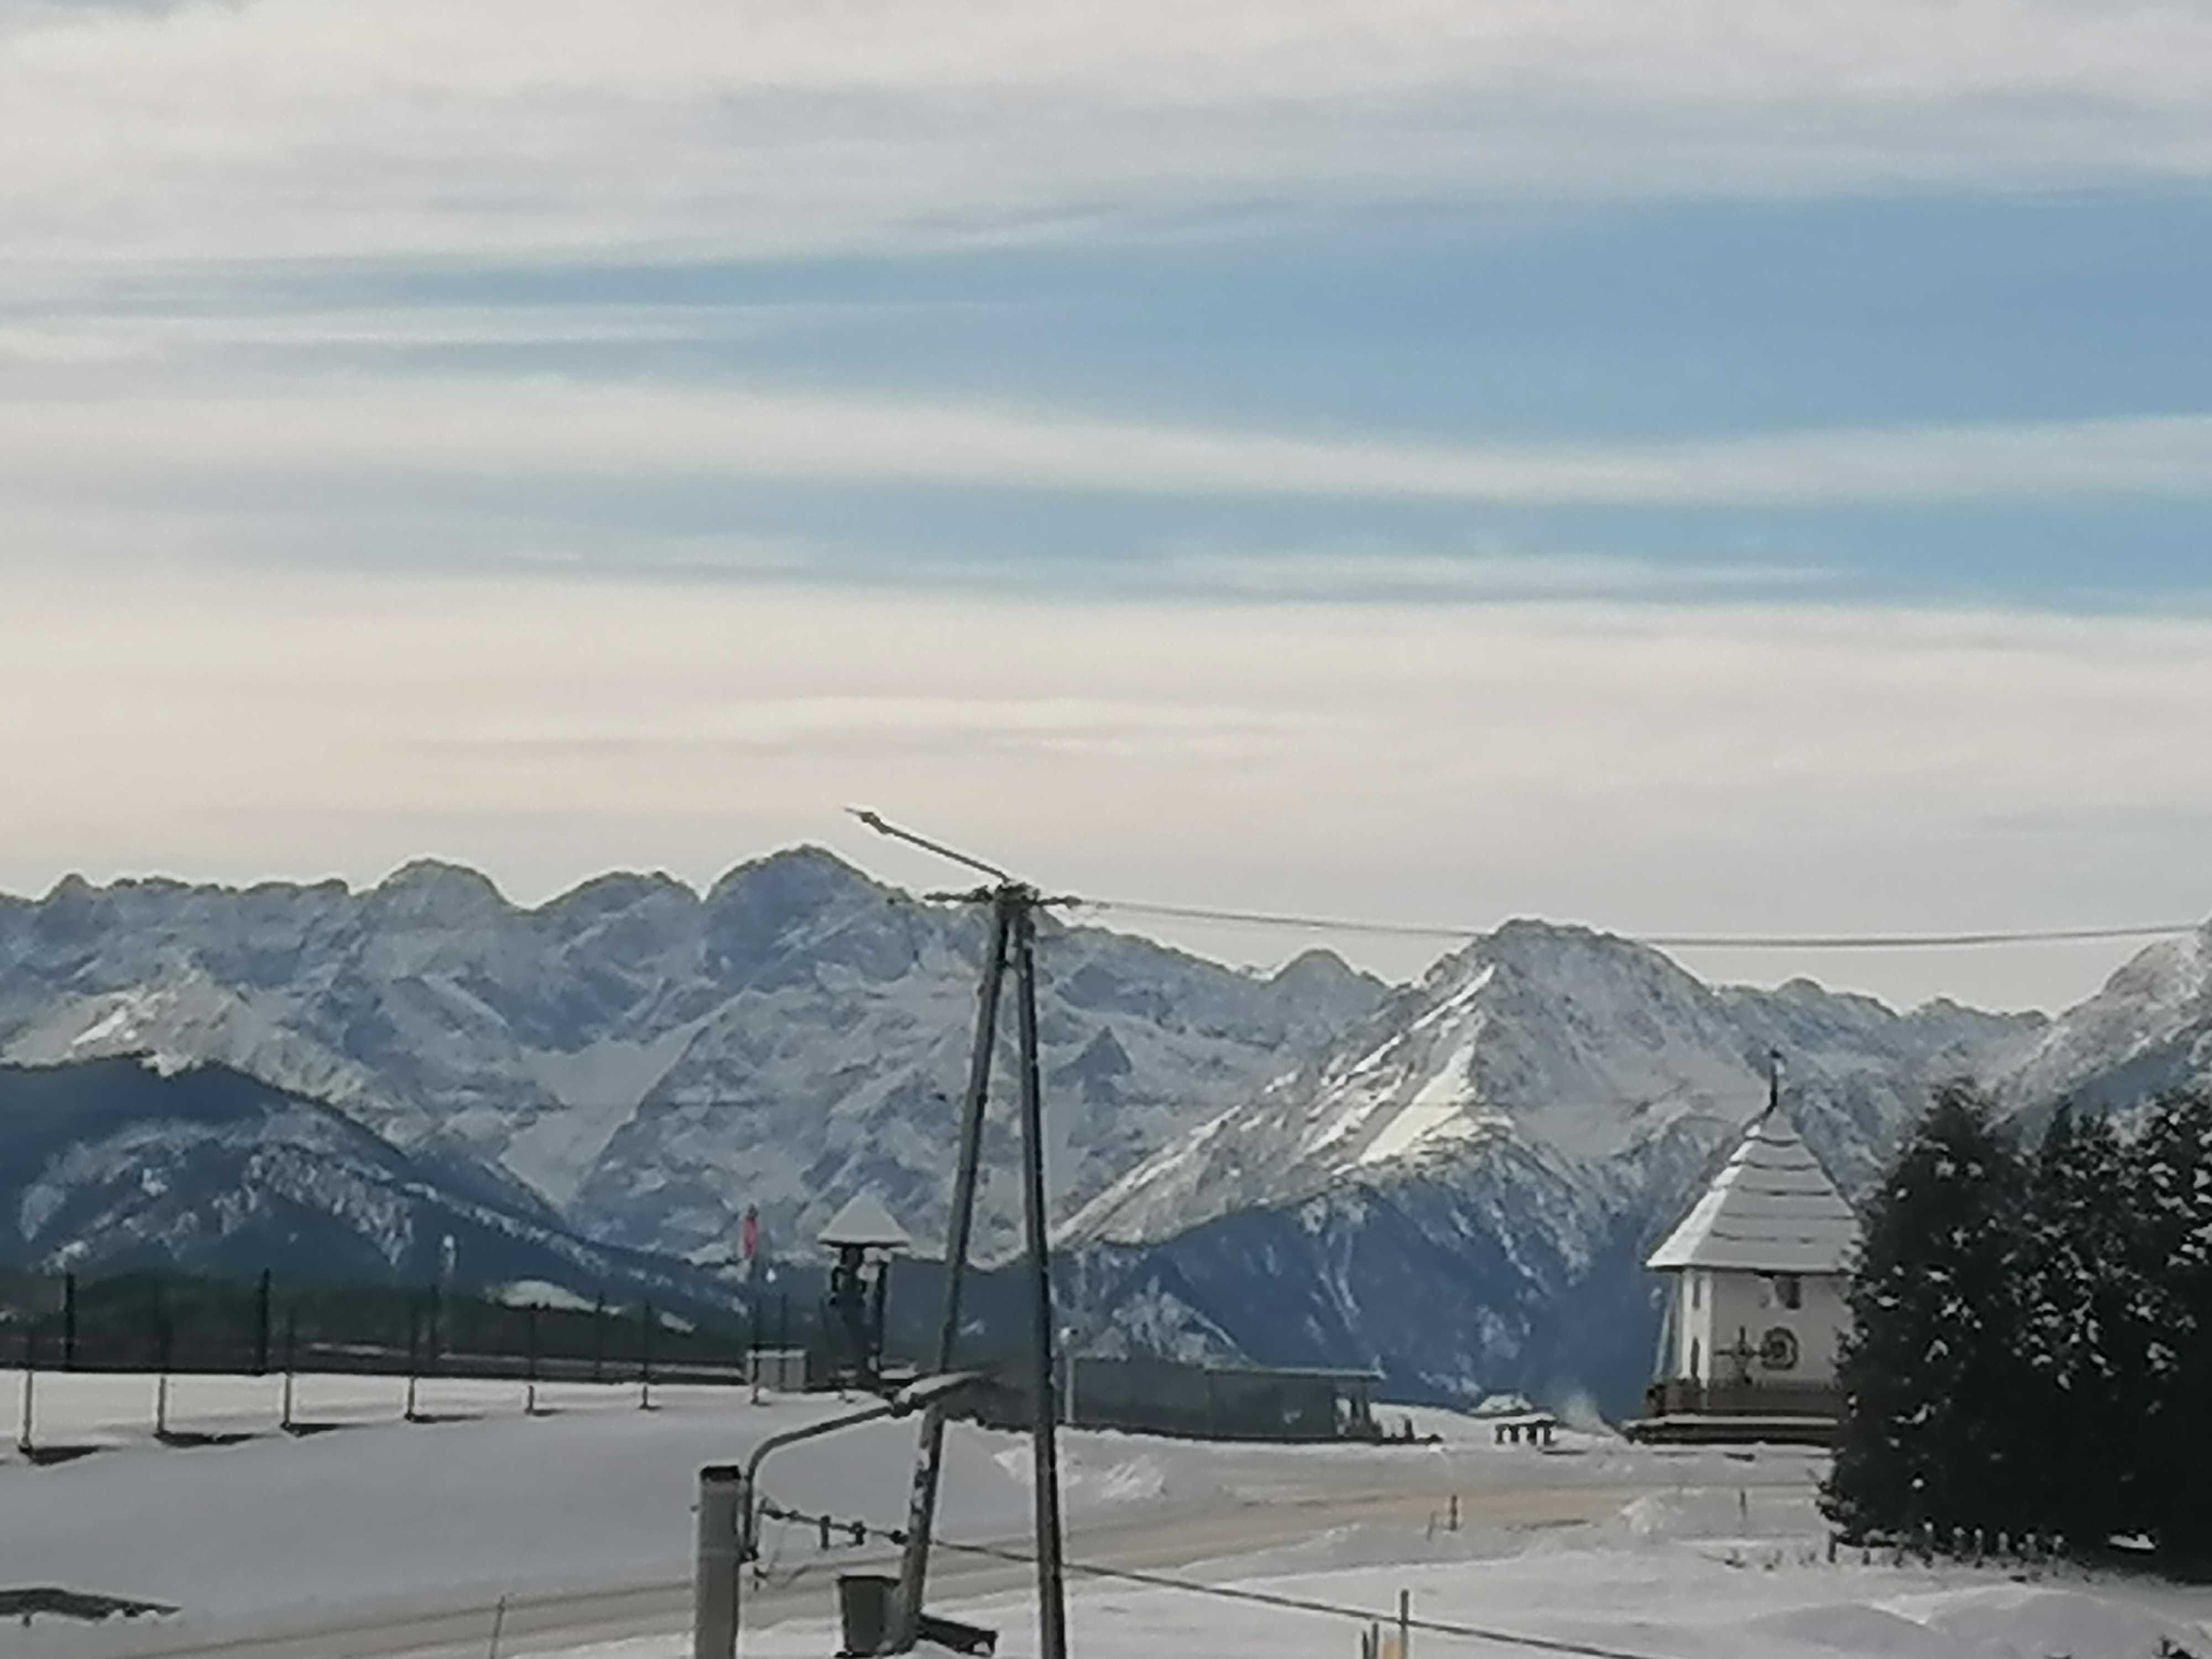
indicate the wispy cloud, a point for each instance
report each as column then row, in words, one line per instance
column 1382, row 574
column 533, row 430
column 1715, row 767
column 292, row 127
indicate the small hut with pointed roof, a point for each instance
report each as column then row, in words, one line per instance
column 865, row 1237
column 1754, row 1313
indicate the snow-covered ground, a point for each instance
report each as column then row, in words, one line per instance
column 1701, row 1573
column 386, row 1539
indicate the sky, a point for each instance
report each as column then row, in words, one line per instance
column 1683, row 466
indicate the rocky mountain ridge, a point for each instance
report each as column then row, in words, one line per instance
column 109, row 1165
column 1459, row 1192
column 2148, row 1028
column 644, row 1060
column 1453, row 1181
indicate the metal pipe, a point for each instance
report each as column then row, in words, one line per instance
column 1052, row 1608
column 719, row 1562
column 736, row 1526
column 921, row 1508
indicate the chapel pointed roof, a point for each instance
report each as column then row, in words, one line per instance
column 864, row 1224
column 1771, row 1209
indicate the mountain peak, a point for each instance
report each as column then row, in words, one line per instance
column 1317, row 964
column 793, row 870
column 2148, row 1028
column 618, row 890
column 434, row 889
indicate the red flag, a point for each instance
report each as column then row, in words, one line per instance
column 752, row 1231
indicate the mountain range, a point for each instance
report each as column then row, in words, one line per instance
column 1462, row 1187
column 1451, row 1181
column 647, row 1061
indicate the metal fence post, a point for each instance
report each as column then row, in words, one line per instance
column 721, row 1561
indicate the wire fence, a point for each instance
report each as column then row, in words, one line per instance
column 149, row 1320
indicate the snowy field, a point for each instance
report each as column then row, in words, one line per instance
column 1699, row 1573
column 1691, row 1598
column 380, row 1539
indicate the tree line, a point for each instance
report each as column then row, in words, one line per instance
column 2031, row 1356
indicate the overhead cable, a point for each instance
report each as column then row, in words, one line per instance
column 856, row 1532
column 1671, row 941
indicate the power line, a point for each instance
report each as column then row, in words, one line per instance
column 857, row 1532
column 1331, row 1609
column 1671, row 941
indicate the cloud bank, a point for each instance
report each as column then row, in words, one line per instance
column 530, row 129
column 1652, row 768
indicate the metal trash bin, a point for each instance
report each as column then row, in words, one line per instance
column 864, row 1612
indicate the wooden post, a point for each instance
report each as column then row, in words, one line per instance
column 25, row 1441
column 530, row 1362
column 645, row 1358
column 752, row 1341
column 1405, row 1625
column 261, row 1324
column 291, row 1358
column 161, row 1382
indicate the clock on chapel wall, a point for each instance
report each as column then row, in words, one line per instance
column 1778, row 1350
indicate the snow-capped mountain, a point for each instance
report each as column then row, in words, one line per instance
column 112, row 1163
column 2147, row 1030
column 646, row 1059
column 1453, row 1182
column 1457, row 1192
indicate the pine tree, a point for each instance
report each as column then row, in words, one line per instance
column 2083, row 1340
column 1929, row 1444
column 2173, row 1192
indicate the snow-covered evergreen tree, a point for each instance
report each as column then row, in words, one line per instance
column 2172, row 1194
column 2083, row 1339
column 1930, row 1441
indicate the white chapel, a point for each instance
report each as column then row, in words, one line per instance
column 1755, row 1313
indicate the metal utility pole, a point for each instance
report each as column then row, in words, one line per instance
column 1013, row 906
column 1052, row 1603
column 922, row 1513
